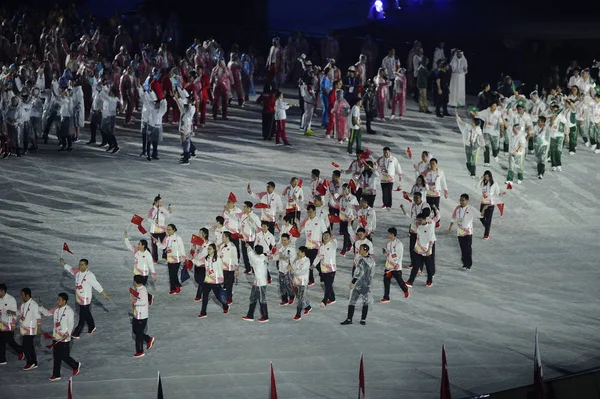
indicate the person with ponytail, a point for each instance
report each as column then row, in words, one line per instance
column 490, row 192
column 157, row 218
column 142, row 262
column 173, row 244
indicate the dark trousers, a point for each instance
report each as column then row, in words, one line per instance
column 199, row 275
column 85, row 317
column 440, row 101
column 245, row 254
column 365, row 311
column 328, row 282
column 466, row 250
column 346, row 233
column 61, row 353
column 386, row 191
column 434, row 201
column 152, row 145
column 52, row 117
column 139, row 330
column 428, row 262
column 159, row 237
column 236, row 242
column 268, row 126
column 412, row 240
column 312, row 255
column 8, row 337
column 486, row 220
column 369, row 117
column 206, row 289
column 387, row 281
column 95, row 125
column 174, row 275
column 370, row 199
column 29, row 349
column 229, row 277
column 272, row 227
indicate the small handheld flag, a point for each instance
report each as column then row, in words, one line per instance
column 236, row 236
column 48, row 336
column 294, row 232
column 335, row 165
column 196, row 240
column 231, row 197
column 321, row 189
column 366, row 154
column 334, row 219
column 137, row 220
column 261, row 205
column 406, row 197
column 501, row 208
column 66, row 248
column 300, row 183
column 189, row 265
column 133, row 292
column 509, row 186
column 363, row 220
column 409, row 152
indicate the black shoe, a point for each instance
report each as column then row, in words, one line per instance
column 346, row 322
column 446, row 113
column 184, row 162
column 115, row 150
column 149, row 159
column 5, row 155
column 193, row 154
column 371, row 132
column 110, row 148
column 62, row 149
column 91, row 142
column 70, row 149
column 427, row 112
column 439, row 115
column 45, row 140
column 363, row 322
column 155, row 157
column 102, row 144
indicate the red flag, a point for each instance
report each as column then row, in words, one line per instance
column 501, row 208
column 232, row 198
column 361, row 379
column 273, row 385
column 321, row 189
column 335, row 165
column 48, row 336
column 261, row 205
column 300, row 183
column 334, row 219
column 236, row 236
column 294, row 232
column 366, row 154
column 66, row 248
column 406, row 197
column 274, row 250
column 363, row 220
column 352, row 186
column 189, row 264
column 133, row 292
column 445, row 386
column 137, row 220
column 509, row 186
column 196, row 240
column 538, row 375
column 70, row 389
column 409, row 152
column 142, row 229
column 326, row 183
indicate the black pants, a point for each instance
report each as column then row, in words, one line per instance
column 174, row 275
column 66, row 142
column 52, row 117
column 152, row 145
column 365, row 311
column 466, row 250
column 236, row 242
column 434, row 201
column 386, row 192
column 247, row 266
column 387, row 281
column 346, row 233
column 61, row 353
column 370, row 199
column 29, row 349
column 229, row 277
column 139, row 330
column 369, row 117
column 268, row 126
column 199, row 275
column 206, row 289
column 95, row 126
column 486, row 220
column 312, row 255
column 440, row 101
column 328, row 282
column 412, row 240
column 85, row 317
column 429, row 262
column 159, row 237
column 8, row 337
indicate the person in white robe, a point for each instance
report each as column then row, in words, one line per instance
column 460, row 68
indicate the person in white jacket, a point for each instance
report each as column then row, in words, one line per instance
column 142, row 262
column 249, row 225
column 173, row 244
column 436, row 181
column 367, row 218
column 213, row 281
column 156, row 110
column 313, row 228
column 66, row 114
column 274, row 210
column 96, row 114
column 139, row 302
column 360, row 287
column 390, row 171
column 157, row 217
column 63, row 322
column 198, row 254
column 463, row 216
column 472, row 140
column 393, row 251
column 491, row 194
column 300, row 270
column 8, row 322
column 185, row 102
column 78, row 108
column 231, row 265
column 326, row 264
column 29, row 318
column 285, row 257
column 424, row 248
column 110, row 100
column 85, row 280
column 258, row 293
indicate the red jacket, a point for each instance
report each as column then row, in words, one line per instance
column 331, row 96
column 268, row 102
column 157, row 89
column 167, row 86
column 205, row 87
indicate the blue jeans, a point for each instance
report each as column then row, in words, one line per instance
column 325, row 100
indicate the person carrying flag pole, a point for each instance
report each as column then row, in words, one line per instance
column 139, row 322
column 142, row 262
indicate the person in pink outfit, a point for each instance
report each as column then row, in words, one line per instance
column 340, row 113
column 235, row 67
column 382, row 83
column 399, row 99
column 221, row 80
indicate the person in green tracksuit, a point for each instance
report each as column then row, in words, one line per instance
column 472, row 140
column 558, row 123
column 517, row 143
column 541, row 138
column 571, row 115
column 355, row 129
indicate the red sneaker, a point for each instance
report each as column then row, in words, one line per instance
column 202, row 316
column 246, row 318
column 343, row 253
column 93, row 330
column 297, row 318
column 409, row 285
column 21, row 356
column 150, row 343
column 486, row 237
column 178, row 290
column 283, row 303
column 410, row 266
column 406, row 294
column 269, row 281
column 77, row 370
column 429, row 284
column 311, row 284
column 172, row 292
column 197, row 299
column 30, row 367
column 229, row 302
column 291, row 301
column 385, row 300
column 139, row 354
column 330, row 302
column 263, row 320
column 225, row 311
column 53, row 378
column 307, row 310
column 383, row 207
column 246, row 272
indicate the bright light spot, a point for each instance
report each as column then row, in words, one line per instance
column 378, row 6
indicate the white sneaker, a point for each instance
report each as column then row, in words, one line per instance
column 573, row 152
column 346, row 140
column 597, row 152
column 519, row 181
column 486, row 164
column 559, row 168
column 587, row 144
column 540, row 177
column 496, row 159
column 594, row 147
column 554, row 168
column 392, row 117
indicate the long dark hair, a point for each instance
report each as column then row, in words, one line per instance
column 144, row 244
column 491, row 178
column 214, row 256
